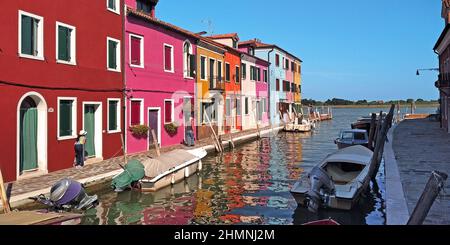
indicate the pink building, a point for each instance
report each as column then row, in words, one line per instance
column 160, row 78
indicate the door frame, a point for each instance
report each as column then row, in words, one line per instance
column 159, row 124
column 42, row 136
column 98, row 137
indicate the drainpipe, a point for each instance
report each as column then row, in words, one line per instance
column 268, row 87
column 124, row 78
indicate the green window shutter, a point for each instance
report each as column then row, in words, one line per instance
column 112, row 61
column 27, row 35
column 112, row 120
column 192, row 65
column 112, row 4
column 65, row 118
column 62, row 43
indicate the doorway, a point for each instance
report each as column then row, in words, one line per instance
column 154, row 122
column 92, row 124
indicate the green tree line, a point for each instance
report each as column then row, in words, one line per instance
column 337, row 101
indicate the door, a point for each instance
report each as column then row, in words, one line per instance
column 89, row 127
column 28, row 135
column 187, row 110
column 153, row 123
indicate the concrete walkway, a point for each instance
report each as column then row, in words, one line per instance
column 420, row 146
column 19, row 191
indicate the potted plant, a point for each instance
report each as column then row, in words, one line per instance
column 171, row 128
column 139, row 131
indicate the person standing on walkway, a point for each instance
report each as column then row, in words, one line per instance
column 80, row 149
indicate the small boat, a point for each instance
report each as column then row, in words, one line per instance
column 300, row 125
column 171, row 168
column 364, row 122
column 352, row 137
column 156, row 173
column 323, row 222
column 337, row 182
column 39, row 218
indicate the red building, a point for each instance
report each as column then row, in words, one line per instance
column 442, row 48
column 61, row 72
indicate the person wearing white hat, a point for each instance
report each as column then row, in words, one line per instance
column 80, row 149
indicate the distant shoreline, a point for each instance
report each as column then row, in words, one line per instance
column 381, row 106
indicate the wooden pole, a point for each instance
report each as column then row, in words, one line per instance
column 155, row 142
column 219, row 144
column 5, row 203
column 434, row 186
column 372, row 130
column 215, row 143
column 231, row 141
column 123, row 149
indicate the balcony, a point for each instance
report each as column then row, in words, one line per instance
column 443, row 81
column 217, row 84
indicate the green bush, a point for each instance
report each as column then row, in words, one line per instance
column 139, row 130
column 171, row 129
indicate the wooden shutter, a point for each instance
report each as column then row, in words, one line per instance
column 167, row 58
column 135, row 51
column 63, row 42
column 203, row 68
column 278, row 84
column 27, row 35
column 65, row 118
column 113, row 111
column 168, row 111
column 192, row 65
column 227, row 72
column 238, row 75
column 277, row 60
column 135, row 112
column 112, row 51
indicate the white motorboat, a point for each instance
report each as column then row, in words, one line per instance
column 337, row 182
column 300, row 125
column 352, row 137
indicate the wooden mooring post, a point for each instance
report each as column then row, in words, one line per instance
column 372, row 130
column 155, row 142
column 232, row 146
column 434, row 186
column 3, row 196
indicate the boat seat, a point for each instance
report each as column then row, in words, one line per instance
column 339, row 176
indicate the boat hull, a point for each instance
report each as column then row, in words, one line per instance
column 300, row 128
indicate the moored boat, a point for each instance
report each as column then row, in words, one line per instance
column 299, row 126
column 352, row 137
column 337, row 182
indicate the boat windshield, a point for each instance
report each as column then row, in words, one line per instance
column 347, row 135
column 360, row 136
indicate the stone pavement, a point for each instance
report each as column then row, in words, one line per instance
column 421, row 146
column 19, row 191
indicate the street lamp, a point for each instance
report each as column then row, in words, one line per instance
column 428, row 69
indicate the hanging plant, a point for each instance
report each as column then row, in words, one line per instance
column 139, row 130
column 171, row 129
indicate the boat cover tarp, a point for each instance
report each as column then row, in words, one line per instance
column 353, row 154
column 156, row 166
column 134, row 171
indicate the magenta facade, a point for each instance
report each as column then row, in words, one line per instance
column 262, row 90
column 159, row 90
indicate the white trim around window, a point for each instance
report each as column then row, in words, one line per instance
column 74, row 118
column 118, row 113
column 141, row 111
column 73, row 45
column 118, row 59
column 117, row 10
column 141, row 44
column 172, row 111
column 172, row 63
column 40, row 36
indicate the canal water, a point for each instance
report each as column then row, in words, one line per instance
column 249, row 185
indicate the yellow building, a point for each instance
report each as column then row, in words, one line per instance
column 298, row 85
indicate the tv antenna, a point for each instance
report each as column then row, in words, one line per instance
column 210, row 25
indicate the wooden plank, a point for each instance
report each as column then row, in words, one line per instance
column 3, row 197
column 155, row 142
column 219, row 143
column 435, row 184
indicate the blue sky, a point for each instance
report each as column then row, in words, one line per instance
column 352, row 49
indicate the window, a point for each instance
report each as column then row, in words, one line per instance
column 286, row 86
column 219, row 71
column 258, row 74
column 67, row 118
column 113, row 54
column 144, row 6
column 265, row 76
column 188, row 60
column 137, row 112
column 283, row 63
column 136, row 51
column 65, row 41
column 238, row 106
column 208, row 111
column 292, row 85
column 277, row 60
column 203, row 67
column 300, row 69
column 212, row 65
column 293, row 66
column 227, row 72
column 113, row 6
column 31, row 36
column 168, row 58
column 278, row 84
column 238, row 75
column 113, row 115
column 264, row 104
column 235, row 43
column 299, row 88
column 251, row 51
column 228, row 107
column 252, row 73
column 246, row 106
column 244, row 70
column 168, row 111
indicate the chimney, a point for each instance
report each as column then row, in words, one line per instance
column 153, row 4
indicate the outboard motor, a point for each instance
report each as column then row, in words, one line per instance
column 320, row 184
column 68, row 194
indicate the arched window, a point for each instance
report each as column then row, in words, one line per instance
column 188, row 60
